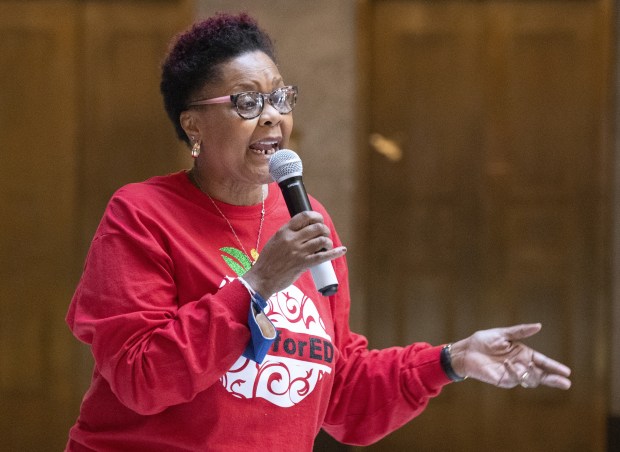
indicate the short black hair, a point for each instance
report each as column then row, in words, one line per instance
column 194, row 57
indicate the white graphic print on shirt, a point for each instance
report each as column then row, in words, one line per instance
column 298, row 359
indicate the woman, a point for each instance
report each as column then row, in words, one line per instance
column 176, row 309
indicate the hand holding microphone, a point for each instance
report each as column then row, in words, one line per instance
column 286, row 169
column 301, row 244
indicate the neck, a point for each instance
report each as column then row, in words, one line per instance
column 235, row 194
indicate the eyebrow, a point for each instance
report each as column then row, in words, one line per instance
column 245, row 85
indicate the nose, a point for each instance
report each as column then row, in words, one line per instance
column 269, row 116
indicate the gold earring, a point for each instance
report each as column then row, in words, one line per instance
column 196, row 149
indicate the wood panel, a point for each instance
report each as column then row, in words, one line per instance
column 127, row 135
column 425, row 209
column 37, row 187
column 80, row 115
column 544, row 204
column 493, row 216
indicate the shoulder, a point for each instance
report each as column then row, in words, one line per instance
column 149, row 201
column 154, row 186
column 151, row 193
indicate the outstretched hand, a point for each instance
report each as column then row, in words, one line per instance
column 497, row 357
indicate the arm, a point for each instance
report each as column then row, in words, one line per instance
column 152, row 352
column 376, row 391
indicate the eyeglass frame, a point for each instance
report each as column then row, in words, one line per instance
column 233, row 99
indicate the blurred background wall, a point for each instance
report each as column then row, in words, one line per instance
column 465, row 151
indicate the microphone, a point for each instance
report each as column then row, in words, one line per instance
column 285, row 168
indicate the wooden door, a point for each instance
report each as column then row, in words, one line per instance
column 79, row 110
column 498, row 210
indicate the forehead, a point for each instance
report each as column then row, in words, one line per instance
column 250, row 70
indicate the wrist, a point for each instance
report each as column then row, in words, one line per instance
column 448, row 364
column 258, row 301
column 257, row 285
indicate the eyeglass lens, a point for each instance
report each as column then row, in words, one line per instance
column 250, row 104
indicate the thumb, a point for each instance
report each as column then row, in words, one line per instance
column 518, row 332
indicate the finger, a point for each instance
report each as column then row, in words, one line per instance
column 555, row 381
column 527, row 376
column 303, row 219
column 315, row 231
column 513, row 373
column 316, row 245
column 327, row 255
column 517, row 332
column 549, row 365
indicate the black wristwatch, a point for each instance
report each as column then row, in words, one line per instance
column 446, row 364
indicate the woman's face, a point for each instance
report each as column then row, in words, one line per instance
column 235, row 151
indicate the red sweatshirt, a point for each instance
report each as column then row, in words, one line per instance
column 166, row 319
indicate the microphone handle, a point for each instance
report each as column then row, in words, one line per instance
column 295, row 195
column 325, row 278
column 297, row 201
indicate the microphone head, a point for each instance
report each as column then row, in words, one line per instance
column 284, row 164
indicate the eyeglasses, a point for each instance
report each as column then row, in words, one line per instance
column 250, row 104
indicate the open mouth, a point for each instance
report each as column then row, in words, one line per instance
column 265, row 147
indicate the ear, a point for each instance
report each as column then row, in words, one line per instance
column 189, row 123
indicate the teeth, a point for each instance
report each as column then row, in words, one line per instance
column 266, row 148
